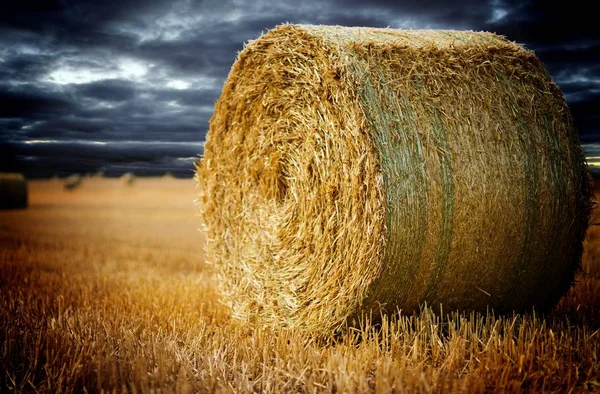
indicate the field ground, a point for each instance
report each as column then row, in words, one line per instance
column 104, row 289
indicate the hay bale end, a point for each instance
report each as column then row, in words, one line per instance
column 13, row 191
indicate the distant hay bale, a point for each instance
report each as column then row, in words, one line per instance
column 350, row 171
column 128, row 178
column 73, row 181
column 13, row 191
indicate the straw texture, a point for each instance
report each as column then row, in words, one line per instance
column 350, row 171
column 13, row 191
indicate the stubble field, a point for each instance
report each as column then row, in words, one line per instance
column 104, row 289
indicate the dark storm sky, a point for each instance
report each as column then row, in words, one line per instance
column 130, row 85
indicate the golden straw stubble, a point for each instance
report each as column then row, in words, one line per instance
column 354, row 171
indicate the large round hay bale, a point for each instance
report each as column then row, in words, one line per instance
column 13, row 191
column 353, row 170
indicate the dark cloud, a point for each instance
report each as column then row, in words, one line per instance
column 29, row 102
column 88, row 18
column 587, row 117
column 193, row 55
column 105, row 130
column 561, row 58
column 25, row 67
column 115, row 90
column 538, row 23
column 196, row 98
column 131, row 74
column 47, row 159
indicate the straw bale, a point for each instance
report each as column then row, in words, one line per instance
column 350, row 171
column 13, row 191
column 128, row 178
column 73, row 181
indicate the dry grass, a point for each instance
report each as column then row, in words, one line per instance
column 104, row 289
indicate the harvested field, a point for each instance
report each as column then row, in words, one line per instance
column 104, row 289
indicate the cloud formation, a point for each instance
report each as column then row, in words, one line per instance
column 131, row 85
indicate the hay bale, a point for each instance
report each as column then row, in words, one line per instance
column 13, row 191
column 73, row 181
column 128, row 178
column 359, row 170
